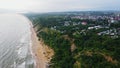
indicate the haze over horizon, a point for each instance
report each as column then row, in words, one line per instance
column 58, row 5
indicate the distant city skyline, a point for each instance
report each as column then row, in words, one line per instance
column 58, row 5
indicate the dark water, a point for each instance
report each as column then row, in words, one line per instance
column 15, row 42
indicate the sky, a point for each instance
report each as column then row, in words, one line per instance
column 58, row 5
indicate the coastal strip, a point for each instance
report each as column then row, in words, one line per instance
column 37, row 50
column 41, row 53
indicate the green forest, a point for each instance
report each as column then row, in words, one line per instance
column 74, row 45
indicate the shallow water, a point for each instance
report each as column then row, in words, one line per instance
column 15, row 41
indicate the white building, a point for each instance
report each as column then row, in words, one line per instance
column 66, row 23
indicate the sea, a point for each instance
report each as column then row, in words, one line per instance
column 15, row 41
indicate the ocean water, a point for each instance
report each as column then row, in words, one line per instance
column 15, row 42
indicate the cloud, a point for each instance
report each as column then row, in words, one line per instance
column 59, row 5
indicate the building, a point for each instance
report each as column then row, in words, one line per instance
column 84, row 23
column 66, row 23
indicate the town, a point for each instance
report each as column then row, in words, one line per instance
column 104, row 23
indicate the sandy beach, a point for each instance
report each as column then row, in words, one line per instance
column 37, row 51
column 41, row 52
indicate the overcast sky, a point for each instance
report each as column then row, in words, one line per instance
column 59, row 5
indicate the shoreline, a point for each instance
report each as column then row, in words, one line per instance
column 41, row 53
column 37, row 49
